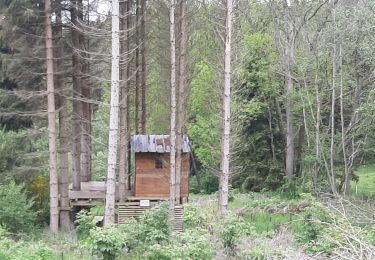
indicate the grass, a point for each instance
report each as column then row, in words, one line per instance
column 365, row 187
column 266, row 223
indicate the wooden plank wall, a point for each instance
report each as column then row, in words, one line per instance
column 151, row 181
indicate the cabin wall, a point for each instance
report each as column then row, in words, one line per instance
column 154, row 182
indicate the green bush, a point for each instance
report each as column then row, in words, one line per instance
column 312, row 232
column 192, row 244
column 21, row 250
column 154, row 226
column 107, row 242
column 16, row 212
column 192, row 217
column 85, row 222
column 261, row 252
column 233, row 229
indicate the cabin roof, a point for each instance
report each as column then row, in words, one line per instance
column 156, row 144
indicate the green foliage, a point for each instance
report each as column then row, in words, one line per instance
column 154, row 226
column 85, row 223
column 192, row 217
column 260, row 142
column 131, row 237
column 261, row 252
column 21, row 250
column 192, row 244
column 107, row 242
column 16, row 209
column 312, row 232
column 203, row 126
column 209, row 183
column 232, row 229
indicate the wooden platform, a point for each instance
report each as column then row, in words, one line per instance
column 134, row 210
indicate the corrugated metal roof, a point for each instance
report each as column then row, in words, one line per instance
column 156, row 144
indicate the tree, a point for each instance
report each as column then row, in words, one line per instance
column 76, row 8
column 109, row 217
column 182, row 82
column 225, row 137
column 289, row 61
column 172, row 158
column 124, row 111
column 143, row 68
column 63, row 124
column 54, row 200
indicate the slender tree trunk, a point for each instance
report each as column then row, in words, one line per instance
column 343, row 135
column 130, row 25
column 172, row 164
column 63, row 127
column 225, row 139
column 124, row 140
column 143, row 69
column 289, row 162
column 109, row 217
column 53, row 180
column 181, row 96
column 86, row 106
column 333, row 174
column 137, row 67
column 77, row 89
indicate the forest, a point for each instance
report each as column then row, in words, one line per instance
column 176, row 129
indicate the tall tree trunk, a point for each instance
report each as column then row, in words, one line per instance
column 86, row 106
column 181, row 95
column 333, row 102
column 137, row 67
column 172, row 164
column 289, row 56
column 63, row 127
column 225, row 138
column 109, row 217
column 347, row 177
column 143, row 68
column 77, row 89
column 53, row 180
column 124, row 140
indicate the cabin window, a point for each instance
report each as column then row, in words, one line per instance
column 158, row 162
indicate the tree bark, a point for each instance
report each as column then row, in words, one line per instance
column 137, row 67
column 289, row 56
column 86, row 106
column 332, row 176
column 77, row 89
column 172, row 164
column 143, row 69
column 225, row 139
column 181, row 95
column 109, row 217
column 53, row 180
column 63, row 126
column 124, row 114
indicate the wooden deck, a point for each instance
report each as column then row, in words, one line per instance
column 93, row 193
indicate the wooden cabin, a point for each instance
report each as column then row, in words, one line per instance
column 150, row 178
column 152, row 166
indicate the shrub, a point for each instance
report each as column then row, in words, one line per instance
column 312, row 232
column 233, row 228
column 154, row 226
column 191, row 244
column 191, row 217
column 16, row 212
column 107, row 242
column 85, row 222
column 261, row 252
column 10, row 249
